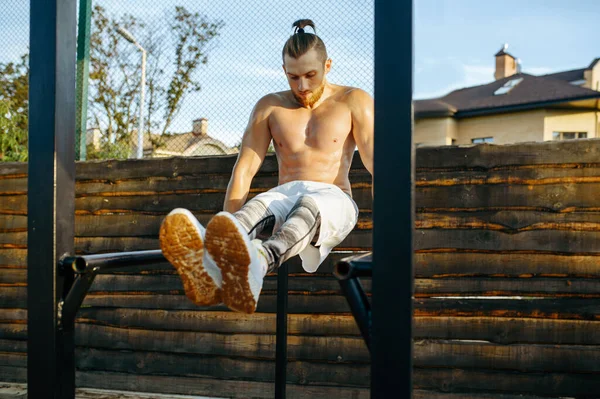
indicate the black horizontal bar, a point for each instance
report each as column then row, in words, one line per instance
column 112, row 261
column 354, row 266
column 359, row 305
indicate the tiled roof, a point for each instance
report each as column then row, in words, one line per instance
column 531, row 92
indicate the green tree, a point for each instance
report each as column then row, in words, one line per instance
column 115, row 73
column 14, row 87
column 13, row 132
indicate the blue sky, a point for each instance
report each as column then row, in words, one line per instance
column 455, row 43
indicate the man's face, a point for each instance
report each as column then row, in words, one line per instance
column 306, row 76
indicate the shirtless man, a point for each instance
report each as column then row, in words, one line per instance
column 315, row 127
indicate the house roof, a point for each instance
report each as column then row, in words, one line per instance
column 532, row 92
column 567, row 76
column 183, row 143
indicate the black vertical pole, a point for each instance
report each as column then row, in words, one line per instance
column 393, row 210
column 51, row 194
column 281, row 339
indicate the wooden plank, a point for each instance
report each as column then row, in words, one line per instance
column 429, row 354
column 166, row 167
column 12, row 223
column 492, row 329
column 498, row 286
column 267, row 303
column 13, row 297
column 200, row 321
column 133, row 225
column 213, row 387
column 357, row 239
column 16, row 185
column 159, row 203
column 13, row 257
column 510, row 222
column 171, row 283
column 325, row 348
column 550, row 198
column 200, row 182
column 13, row 204
column 424, row 394
column 513, row 175
column 505, row 264
column 516, row 357
column 538, row 308
column 508, row 330
column 149, row 363
column 565, row 308
column 17, row 240
column 554, row 241
column 486, row 156
column 13, row 276
column 163, row 283
column 10, row 332
column 9, row 169
column 582, row 385
column 216, row 182
column 14, row 359
column 294, row 266
column 17, row 344
column 12, row 374
column 13, row 316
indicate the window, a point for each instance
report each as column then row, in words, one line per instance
column 480, row 140
column 453, row 141
column 568, row 135
column 508, row 86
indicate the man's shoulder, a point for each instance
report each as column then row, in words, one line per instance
column 274, row 99
column 355, row 93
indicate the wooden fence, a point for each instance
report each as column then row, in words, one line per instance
column 507, row 282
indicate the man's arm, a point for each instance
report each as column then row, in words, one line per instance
column 255, row 143
column 363, row 119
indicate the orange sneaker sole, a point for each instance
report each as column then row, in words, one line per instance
column 183, row 247
column 227, row 246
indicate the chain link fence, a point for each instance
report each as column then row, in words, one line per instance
column 205, row 64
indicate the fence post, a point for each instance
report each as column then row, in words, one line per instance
column 393, row 205
column 51, row 199
column 281, row 336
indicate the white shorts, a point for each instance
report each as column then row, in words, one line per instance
column 338, row 212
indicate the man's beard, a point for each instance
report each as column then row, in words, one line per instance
column 313, row 98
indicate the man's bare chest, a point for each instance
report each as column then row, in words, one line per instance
column 321, row 128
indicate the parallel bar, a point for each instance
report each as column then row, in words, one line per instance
column 359, row 305
column 354, row 266
column 393, row 210
column 114, row 261
column 88, row 267
column 51, row 211
column 347, row 272
column 281, row 339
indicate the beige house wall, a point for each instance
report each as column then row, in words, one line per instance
column 592, row 78
column 504, row 128
column 570, row 121
column 509, row 128
column 432, row 131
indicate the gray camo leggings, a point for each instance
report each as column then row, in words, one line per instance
column 298, row 230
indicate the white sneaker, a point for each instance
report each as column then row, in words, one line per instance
column 182, row 243
column 242, row 264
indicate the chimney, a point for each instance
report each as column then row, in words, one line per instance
column 506, row 64
column 93, row 137
column 200, row 127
